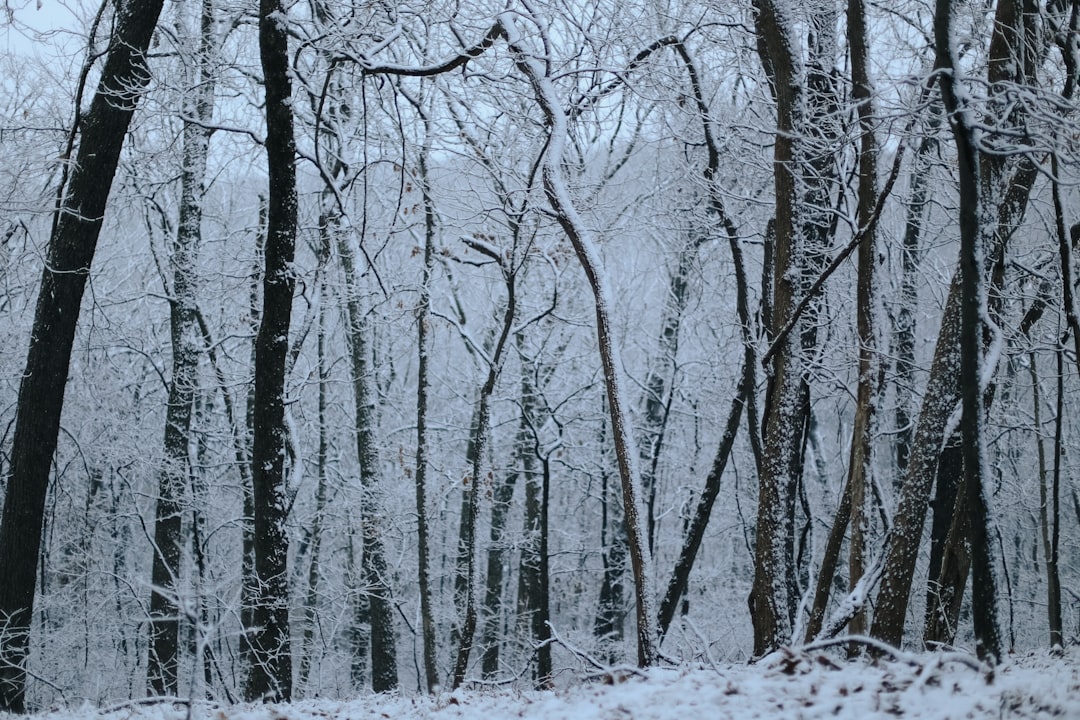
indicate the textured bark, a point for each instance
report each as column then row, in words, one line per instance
column 533, row 604
column 869, row 370
column 494, row 580
column 270, row 677
column 186, row 339
column 943, row 389
column 72, row 243
column 423, row 323
column 972, row 249
column 941, row 394
column 772, row 598
column 373, row 569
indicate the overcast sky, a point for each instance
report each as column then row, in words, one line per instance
column 29, row 26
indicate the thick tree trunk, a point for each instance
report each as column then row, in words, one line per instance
column 76, row 227
column 270, row 677
column 186, row 337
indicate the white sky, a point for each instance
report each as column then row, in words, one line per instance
column 42, row 27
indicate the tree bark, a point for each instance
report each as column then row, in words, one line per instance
column 186, row 339
column 423, row 323
column 772, row 598
column 74, row 237
column 270, row 677
column 866, row 298
column 533, row 584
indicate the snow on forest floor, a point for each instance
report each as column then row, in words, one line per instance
column 788, row 684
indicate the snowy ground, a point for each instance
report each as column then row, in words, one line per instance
column 795, row 685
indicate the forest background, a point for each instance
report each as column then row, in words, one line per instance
column 432, row 343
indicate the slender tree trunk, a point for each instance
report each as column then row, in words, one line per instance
column 657, row 401
column 904, row 330
column 533, row 588
column 608, row 626
column 270, row 678
column 493, row 589
column 423, row 324
column 314, row 578
column 373, row 568
column 589, row 257
column 746, row 392
column 76, row 227
column 249, row 583
column 186, row 340
column 478, row 448
column 772, row 598
column 866, row 298
column 972, row 307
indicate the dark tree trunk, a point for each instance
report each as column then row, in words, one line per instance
column 427, row 616
column 270, row 677
column 869, row 371
column 467, row 550
column 533, row 588
column 76, row 227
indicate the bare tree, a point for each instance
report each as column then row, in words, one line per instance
column 72, row 242
column 270, row 677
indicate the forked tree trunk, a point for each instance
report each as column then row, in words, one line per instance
column 74, row 237
column 772, row 598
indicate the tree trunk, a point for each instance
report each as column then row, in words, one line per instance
column 76, row 227
column 745, row 395
column 972, row 307
column 773, row 596
column 533, row 589
column 589, row 257
column 186, row 337
column 314, row 578
column 373, row 569
column 423, row 323
column 270, row 677
column 866, row 299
